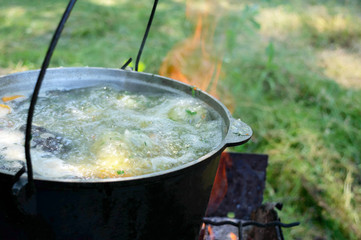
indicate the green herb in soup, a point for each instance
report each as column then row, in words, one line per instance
column 103, row 132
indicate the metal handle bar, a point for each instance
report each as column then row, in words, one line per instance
column 29, row 185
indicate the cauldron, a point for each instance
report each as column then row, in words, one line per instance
column 164, row 205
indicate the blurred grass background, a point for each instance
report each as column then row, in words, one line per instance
column 293, row 69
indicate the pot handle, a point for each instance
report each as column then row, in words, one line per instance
column 23, row 188
column 238, row 133
column 23, row 180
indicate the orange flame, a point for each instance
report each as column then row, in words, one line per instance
column 202, row 232
column 232, row 236
column 193, row 61
column 220, row 185
column 210, row 232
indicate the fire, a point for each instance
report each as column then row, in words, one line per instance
column 220, row 185
column 202, row 232
column 210, row 232
column 232, row 236
column 195, row 61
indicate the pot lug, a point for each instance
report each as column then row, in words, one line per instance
column 238, row 133
column 24, row 194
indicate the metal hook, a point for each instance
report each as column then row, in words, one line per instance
column 20, row 181
column 126, row 63
column 146, row 34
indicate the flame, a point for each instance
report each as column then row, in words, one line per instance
column 202, row 232
column 232, row 236
column 220, row 185
column 210, row 232
column 195, row 61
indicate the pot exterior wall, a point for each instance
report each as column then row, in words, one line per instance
column 169, row 206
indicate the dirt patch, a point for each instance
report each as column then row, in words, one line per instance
column 4, row 71
column 342, row 66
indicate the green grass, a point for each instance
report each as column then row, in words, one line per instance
column 307, row 123
column 279, row 65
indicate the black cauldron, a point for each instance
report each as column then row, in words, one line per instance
column 163, row 205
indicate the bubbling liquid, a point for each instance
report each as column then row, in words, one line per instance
column 102, row 132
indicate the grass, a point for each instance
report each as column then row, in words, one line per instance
column 292, row 69
column 308, row 124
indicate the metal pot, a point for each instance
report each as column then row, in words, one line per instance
column 163, row 205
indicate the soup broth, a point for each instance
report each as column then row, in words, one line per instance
column 103, row 132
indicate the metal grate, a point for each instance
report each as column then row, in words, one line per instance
column 243, row 223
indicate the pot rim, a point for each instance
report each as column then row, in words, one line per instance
column 230, row 139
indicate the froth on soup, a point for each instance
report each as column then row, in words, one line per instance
column 103, row 132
